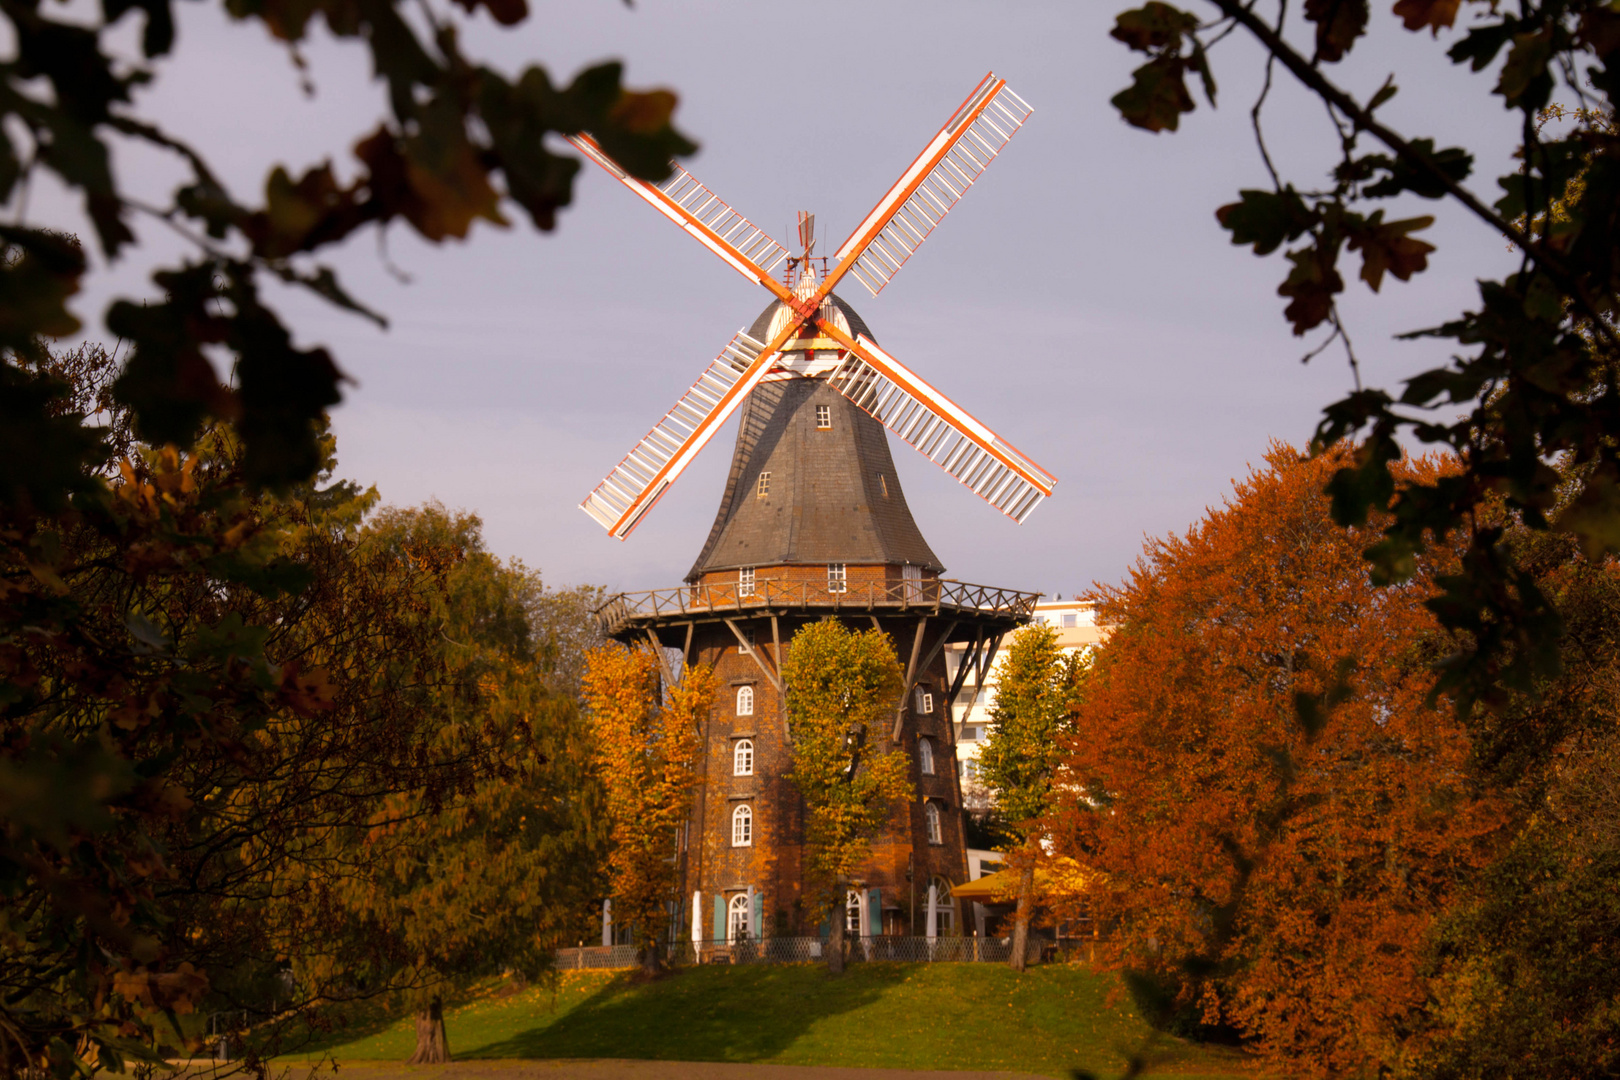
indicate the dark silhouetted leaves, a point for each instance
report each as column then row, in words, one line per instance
column 1158, row 92
column 1311, row 286
column 1338, row 24
column 1453, row 163
column 1435, row 15
column 1389, row 246
column 1266, row 219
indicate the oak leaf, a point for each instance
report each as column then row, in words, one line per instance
column 1389, row 246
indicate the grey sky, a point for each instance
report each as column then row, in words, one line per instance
column 1080, row 300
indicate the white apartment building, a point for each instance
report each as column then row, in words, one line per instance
column 1077, row 629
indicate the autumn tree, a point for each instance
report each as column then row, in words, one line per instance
column 1036, row 691
column 1533, row 370
column 208, row 696
column 648, row 740
column 841, row 684
column 443, row 884
column 1281, row 878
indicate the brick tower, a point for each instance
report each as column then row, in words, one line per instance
column 814, row 524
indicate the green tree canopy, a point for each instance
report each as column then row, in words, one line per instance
column 841, row 684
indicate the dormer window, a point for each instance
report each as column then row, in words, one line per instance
column 824, row 417
column 764, row 487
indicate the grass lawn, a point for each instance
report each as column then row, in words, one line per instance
column 1052, row 1019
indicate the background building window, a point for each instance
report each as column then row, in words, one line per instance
column 737, row 922
column 742, row 827
column 925, row 756
column 852, row 912
column 742, row 757
column 745, row 701
column 936, row 834
column 764, row 485
column 837, row 581
column 745, row 581
column 944, row 907
column 1070, row 621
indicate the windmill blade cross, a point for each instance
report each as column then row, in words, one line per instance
column 744, row 246
column 636, row 484
column 943, row 431
column 950, row 163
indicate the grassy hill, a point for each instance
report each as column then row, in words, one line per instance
column 1051, row 1020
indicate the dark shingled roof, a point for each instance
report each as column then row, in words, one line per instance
column 834, row 496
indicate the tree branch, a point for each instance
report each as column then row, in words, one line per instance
column 1308, row 74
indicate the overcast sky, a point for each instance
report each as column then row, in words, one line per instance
column 1080, row 299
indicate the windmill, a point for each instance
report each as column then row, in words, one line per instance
column 810, row 335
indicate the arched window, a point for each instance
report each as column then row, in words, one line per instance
column 737, row 920
column 742, row 827
column 742, row 759
column 936, row 835
column 945, row 907
column 745, row 701
column 925, row 756
column 852, row 912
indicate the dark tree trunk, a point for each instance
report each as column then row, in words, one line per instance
column 432, row 1044
column 652, row 960
column 835, row 939
column 1026, row 901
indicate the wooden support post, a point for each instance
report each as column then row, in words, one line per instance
column 911, row 673
column 686, row 650
column 776, row 680
column 663, row 658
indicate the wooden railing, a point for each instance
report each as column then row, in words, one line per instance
column 930, row 595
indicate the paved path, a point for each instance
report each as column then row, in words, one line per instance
column 620, row 1069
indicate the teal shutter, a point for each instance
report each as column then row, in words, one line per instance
column 758, row 923
column 874, row 912
column 719, row 917
column 825, row 929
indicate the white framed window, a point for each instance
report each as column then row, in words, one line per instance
column 852, row 912
column 742, row 826
column 748, row 636
column 837, row 580
column 970, row 771
column 925, row 756
column 924, row 700
column 824, row 417
column 764, row 488
column 745, row 581
column 738, row 918
column 1070, row 621
column 936, row 833
column 745, row 701
column 944, row 906
column 742, row 757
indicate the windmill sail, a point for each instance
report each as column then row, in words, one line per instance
column 640, row 480
column 927, row 191
column 746, row 247
column 942, row 430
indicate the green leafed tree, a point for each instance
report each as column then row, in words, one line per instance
column 485, row 877
column 1037, row 687
column 841, row 687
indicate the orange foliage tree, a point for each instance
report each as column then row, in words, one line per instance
column 1262, row 872
column 648, row 749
